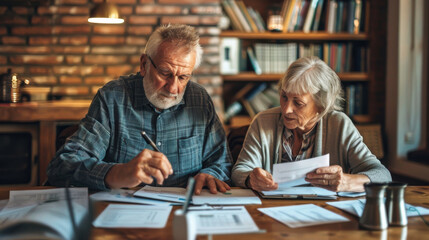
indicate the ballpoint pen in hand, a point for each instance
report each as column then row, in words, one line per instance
column 149, row 141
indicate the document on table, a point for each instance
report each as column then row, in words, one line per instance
column 126, row 195
column 133, row 216
column 356, row 207
column 231, row 197
column 300, row 192
column 303, row 215
column 224, row 220
column 176, row 194
column 286, row 172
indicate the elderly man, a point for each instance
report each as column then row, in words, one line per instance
column 108, row 150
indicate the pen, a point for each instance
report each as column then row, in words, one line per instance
column 149, row 141
column 189, row 193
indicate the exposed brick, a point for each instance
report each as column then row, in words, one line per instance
column 16, row 69
column 3, row 10
column 146, row 1
column 40, row 20
column 135, row 60
column 125, row 10
column 3, row 60
column 71, row 30
column 114, row 50
column 211, row 50
column 97, row 80
column 70, row 91
column 74, row 40
column 208, row 31
column 74, row 20
column 24, row 49
column 209, row 20
column 209, row 40
column 71, row 49
column 191, row 20
column 136, row 68
column 36, row 59
column 207, row 69
column 97, row 59
column 211, row 59
column 70, row 80
column 136, row 41
column 3, row 30
column 40, row 70
column 139, row 30
column 100, row 40
column 43, row 79
column 142, row 20
column 63, row 10
column 78, row 70
column 71, row 2
column 156, row 9
column 43, row 40
column 206, row 10
column 21, row 10
column 13, row 20
column 109, row 29
column 45, row 30
column 73, row 59
column 123, row 1
column 187, row 1
column 118, row 70
column 13, row 40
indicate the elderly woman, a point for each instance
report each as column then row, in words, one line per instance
column 307, row 124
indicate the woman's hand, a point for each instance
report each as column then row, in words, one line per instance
column 261, row 180
column 333, row 178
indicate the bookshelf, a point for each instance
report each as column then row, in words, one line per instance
column 372, row 36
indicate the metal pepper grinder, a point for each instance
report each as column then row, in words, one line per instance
column 395, row 204
column 374, row 215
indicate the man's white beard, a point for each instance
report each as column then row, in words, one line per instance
column 160, row 99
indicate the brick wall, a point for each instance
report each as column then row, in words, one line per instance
column 58, row 48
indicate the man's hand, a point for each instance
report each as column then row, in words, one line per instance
column 333, row 178
column 214, row 184
column 142, row 168
column 261, row 180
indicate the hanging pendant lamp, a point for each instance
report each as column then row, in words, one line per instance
column 105, row 13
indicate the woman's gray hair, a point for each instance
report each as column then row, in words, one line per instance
column 314, row 76
column 182, row 35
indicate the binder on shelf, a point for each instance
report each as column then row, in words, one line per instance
column 254, row 61
column 230, row 56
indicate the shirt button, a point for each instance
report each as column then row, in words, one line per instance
column 159, row 143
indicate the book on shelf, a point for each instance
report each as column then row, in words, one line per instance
column 254, row 62
column 318, row 15
column 247, row 16
column 240, row 16
column 231, row 15
column 230, row 51
column 236, row 106
column 245, row 101
column 310, row 15
column 357, row 16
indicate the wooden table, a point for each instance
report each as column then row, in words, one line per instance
column 47, row 115
column 416, row 229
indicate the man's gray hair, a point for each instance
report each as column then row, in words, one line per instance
column 314, row 76
column 182, row 35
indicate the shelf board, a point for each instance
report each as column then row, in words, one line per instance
column 322, row 36
column 252, row 77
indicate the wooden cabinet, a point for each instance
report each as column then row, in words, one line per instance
column 372, row 36
column 48, row 116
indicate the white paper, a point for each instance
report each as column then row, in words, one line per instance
column 172, row 194
column 356, row 207
column 303, row 215
column 177, row 194
column 25, row 198
column 231, row 197
column 124, row 195
column 224, row 220
column 300, row 191
column 285, row 172
column 133, row 216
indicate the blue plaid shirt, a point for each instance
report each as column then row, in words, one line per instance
column 189, row 134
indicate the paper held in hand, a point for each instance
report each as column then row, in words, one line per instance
column 289, row 171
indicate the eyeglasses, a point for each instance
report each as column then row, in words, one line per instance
column 168, row 75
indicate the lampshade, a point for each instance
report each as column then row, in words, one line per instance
column 105, row 13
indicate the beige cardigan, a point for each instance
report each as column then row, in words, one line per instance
column 336, row 135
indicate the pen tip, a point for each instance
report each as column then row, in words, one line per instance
column 143, row 132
